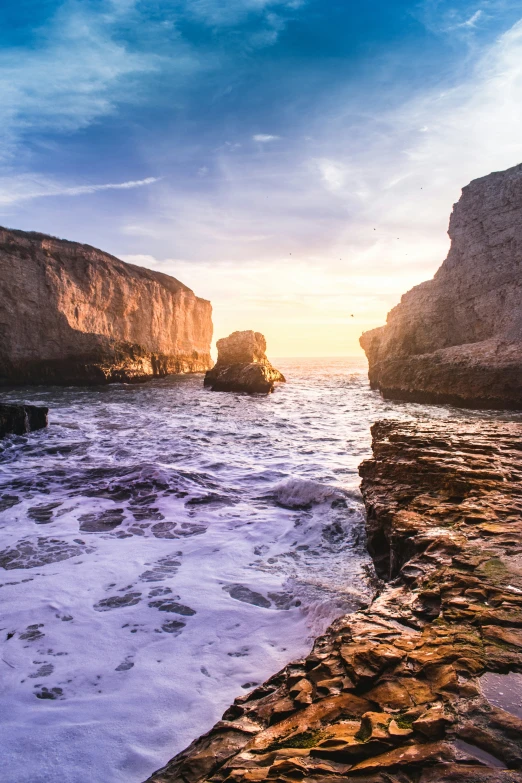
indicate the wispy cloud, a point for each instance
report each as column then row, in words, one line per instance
column 25, row 188
column 472, row 21
column 231, row 12
column 74, row 73
column 264, row 138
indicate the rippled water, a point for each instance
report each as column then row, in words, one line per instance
column 165, row 548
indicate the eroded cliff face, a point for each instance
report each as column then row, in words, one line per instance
column 72, row 314
column 458, row 338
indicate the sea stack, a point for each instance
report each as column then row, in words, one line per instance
column 242, row 365
column 458, row 338
column 71, row 314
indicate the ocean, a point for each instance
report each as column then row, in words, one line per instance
column 165, row 549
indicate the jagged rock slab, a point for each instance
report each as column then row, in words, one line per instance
column 458, row 338
column 19, row 419
column 242, row 365
column 402, row 692
column 71, row 314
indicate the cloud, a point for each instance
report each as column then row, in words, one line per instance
column 362, row 210
column 232, row 12
column 26, row 187
column 75, row 73
column 472, row 21
column 263, row 138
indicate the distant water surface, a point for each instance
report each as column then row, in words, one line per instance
column 164, row 549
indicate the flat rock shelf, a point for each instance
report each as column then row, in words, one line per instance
column 424, row 685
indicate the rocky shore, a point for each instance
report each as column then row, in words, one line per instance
column 242, row 365
column 20, row 419
column 72, row 314
column 457, row 339
column 425, row 685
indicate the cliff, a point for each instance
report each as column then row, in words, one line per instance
column 425, row 685
column 458, row 338
column 242, row 365
column 72, row 314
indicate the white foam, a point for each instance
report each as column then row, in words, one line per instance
column 299, row 493
column 226, row 477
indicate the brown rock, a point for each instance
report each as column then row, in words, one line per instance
column 99, row 319
column 458, row 338
column 408, row 755
column 19, row 419
column 432, row 723
column 419, row 703
column 242, row 365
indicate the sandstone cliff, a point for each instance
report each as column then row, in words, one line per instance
column 242, row 365
column 458, row 338
column 72, row 314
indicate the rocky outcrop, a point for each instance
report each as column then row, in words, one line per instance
column 72, row 314
column 421, row 687
column 458, row 338
column 242, row 365
column 19, row 419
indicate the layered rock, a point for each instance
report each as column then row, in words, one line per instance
column 406, row 691
column 19, row 419
column 242, row 365
column 72, row 314
column 458, row 338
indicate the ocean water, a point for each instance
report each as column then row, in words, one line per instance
column 163, row 550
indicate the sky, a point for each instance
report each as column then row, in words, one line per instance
column 293, row 161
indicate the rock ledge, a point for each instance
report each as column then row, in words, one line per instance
column 402, row 691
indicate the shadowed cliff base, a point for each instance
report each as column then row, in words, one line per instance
column 458, row 338
column 426, row 684
column 71, row 314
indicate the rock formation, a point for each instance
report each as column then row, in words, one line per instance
column 242, row 365
column 421, row 687
column 19, row 419
column 458, row 338
column 72, row 314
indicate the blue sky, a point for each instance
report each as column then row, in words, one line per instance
column 294, row 161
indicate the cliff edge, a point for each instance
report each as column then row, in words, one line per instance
column 458, row 338
column 72, row 314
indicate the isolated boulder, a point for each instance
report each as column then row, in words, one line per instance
column 242, row 365
column 19, row 419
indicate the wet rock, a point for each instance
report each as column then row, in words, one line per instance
column 242, row 365
column 20, row 419
column 398, row 692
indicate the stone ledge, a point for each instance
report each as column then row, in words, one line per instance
column 397, row 693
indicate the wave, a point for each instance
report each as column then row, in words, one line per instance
column 303, row 493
